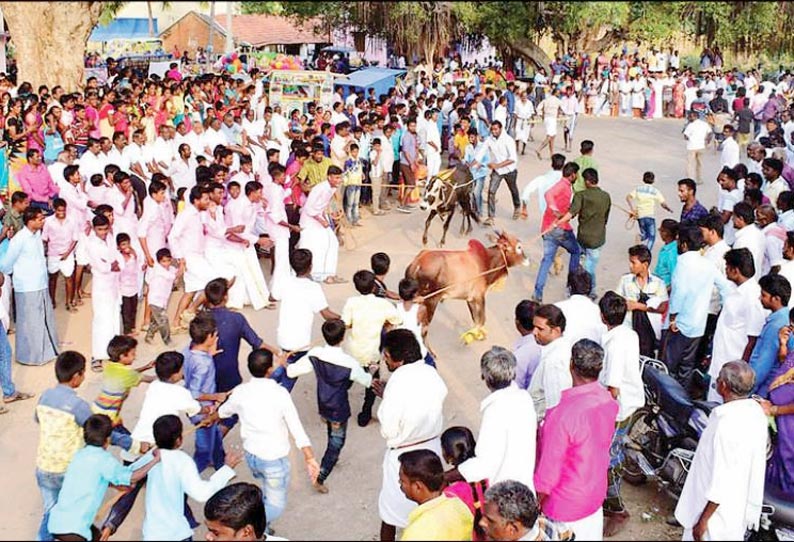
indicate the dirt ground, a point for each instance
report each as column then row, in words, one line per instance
column 624, row 149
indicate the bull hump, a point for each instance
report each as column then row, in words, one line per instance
column 478, row 249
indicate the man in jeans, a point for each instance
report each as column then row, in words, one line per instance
column 503, row 166
column 557, row 233
column 268, row 416
column 335, row 371
column 592, row 206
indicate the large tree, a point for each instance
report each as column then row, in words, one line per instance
column 50, row 39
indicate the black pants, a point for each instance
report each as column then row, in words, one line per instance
column 293, row 217
column 496, row 180
column 71, row 537
column 704, row 349
column 680, row 356
column 369, row 397
column 129, row 310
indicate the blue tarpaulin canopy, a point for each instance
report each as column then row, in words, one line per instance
column 125, row 29
column 381, row 79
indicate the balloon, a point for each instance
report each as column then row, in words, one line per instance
column 231, row 68
column 278, row 65
column 234, row 56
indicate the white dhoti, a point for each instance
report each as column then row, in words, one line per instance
column 522, row 130
column 393, row 505
column 281, row 269
column 5, row 302
column 324, row 246
column 198, row 272
column 251, row 279
column 105, row 324
column 590, row 527
column 433, row 162
column 550, row 125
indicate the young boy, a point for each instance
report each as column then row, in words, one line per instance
column 380, row 263
column 175, row 477
column 152, row 232
column 237, row 512
column 200, row 382
column 353, row 176
column 414, row 316
column 118, row 378
column 367, row 315
column 129, row 278
column 646, row 197
column 60, row 414
column 87, row 479
column 60, row 235
column 668, row 256
column 268, row 415
column 161, row 282
column 278, row 228
column 377, row 175
column 335, row 371
column 301, row 299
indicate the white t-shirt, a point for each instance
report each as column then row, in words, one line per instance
column 696, row 133
column 622, row 369
column 302, row 299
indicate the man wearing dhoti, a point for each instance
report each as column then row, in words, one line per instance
column 317, row 232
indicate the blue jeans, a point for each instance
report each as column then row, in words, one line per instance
column 591, row 257
column 647, row 231
column 556, row 238
column 352, row 198
column 280, row 373
column 274, row 476
column 50, row 486
column 5, row 364
column 209, row 448
column 337, row 433
column 479, row 184
column 120, row 436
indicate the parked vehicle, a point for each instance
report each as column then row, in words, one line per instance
column 663, row 435
column 777, row 520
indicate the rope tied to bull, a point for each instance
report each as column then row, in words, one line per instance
column 631, row 219
column 475, row 277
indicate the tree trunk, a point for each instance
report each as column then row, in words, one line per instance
column 531, row 52
column 151, row 18
column 50, row 40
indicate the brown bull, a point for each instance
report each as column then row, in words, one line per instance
column 465, row 274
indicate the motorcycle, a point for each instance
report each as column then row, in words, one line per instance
column 777, row 520
column 662, row 436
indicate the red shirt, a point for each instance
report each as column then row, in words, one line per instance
column 558, row 198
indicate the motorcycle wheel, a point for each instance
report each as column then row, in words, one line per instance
column 640, row 433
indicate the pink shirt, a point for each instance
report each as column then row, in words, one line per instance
column 558, row 198
column 76, row 203
column 59, row 235
column 93, row 115
column 129, row 276
column 161, row 281
column 573, row 452
column 316, row 204
column 155, row 224
column 189, row 234
column 275, row 212
column 101, row 255
column 37, row 183
column 243, row 211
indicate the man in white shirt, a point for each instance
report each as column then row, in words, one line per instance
column 729, row 195
column 724, row 489
column 92, row 161
column 317, row 234
column 183, row 169
column 729, row 156
column 785, row 206
column 582, row 317
column 621, row 375
column 541, row 184
column 553, row 372
column 748, row 235
column 116, row 154
column 698, row 134
column 506, row 444
column 134, row 154
column 411, row 418
column 741, row 319
column 340, row 144
column 549, row 108
column 268, row 417
column 774, row 237
column 503, row 166
column 433, row 143
column 771, row 170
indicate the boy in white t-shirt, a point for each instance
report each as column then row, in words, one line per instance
column 301, row 299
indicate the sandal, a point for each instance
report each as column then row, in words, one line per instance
column 78, row 302
column 178, row 330
column 18, row 396
column 96, row 365
column 270, row 306
column 4, row 409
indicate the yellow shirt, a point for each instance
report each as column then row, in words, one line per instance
column 442, row 518
column 313, row 172
column 645, row 197
column 366, row 315
column 461, row 142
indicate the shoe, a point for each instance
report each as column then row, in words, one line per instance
column 319, row 487
column 516, row 214
column 148, row 340
column 364, row 418
column 403, row 209
column 536, row 299
column 672, row 521
column 378, row 213
column 488, row 221
column 615, row 522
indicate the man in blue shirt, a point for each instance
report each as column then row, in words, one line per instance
column 775, row 294
column 511, row 106
column 693, row 281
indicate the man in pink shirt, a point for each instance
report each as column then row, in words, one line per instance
column 36, row 182
column 60, row 235
column 573, row 459
column 556, row 234
column 317, row 232
column 188, row 240
column 155, row 223
column 278, row 228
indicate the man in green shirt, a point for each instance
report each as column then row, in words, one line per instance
column 585, row 161
column 591, row 206
column 314, row 170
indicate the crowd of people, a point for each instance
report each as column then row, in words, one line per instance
column 183, row 184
